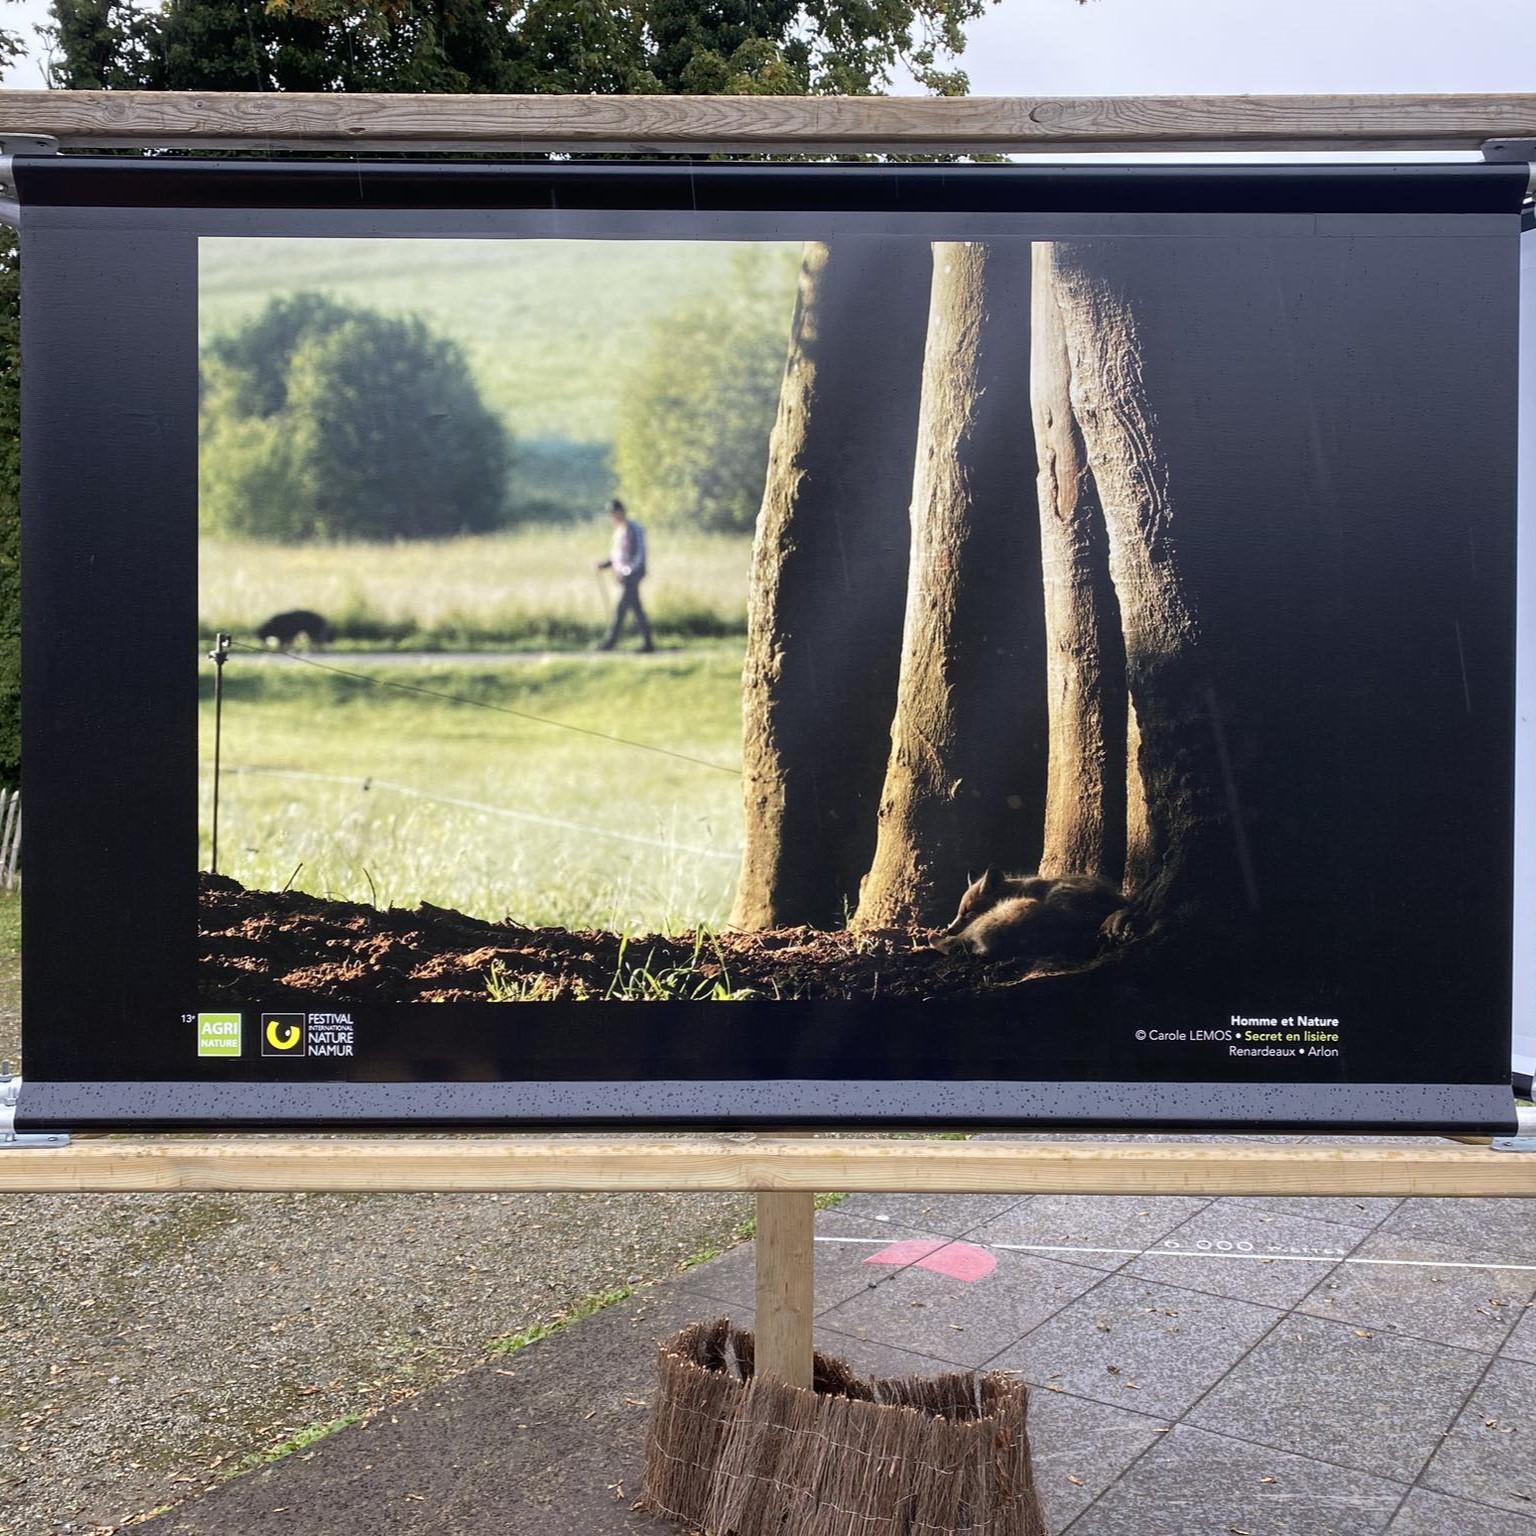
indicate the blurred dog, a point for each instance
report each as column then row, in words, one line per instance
column 282, row 629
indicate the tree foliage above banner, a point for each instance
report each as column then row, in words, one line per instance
column 727, row 47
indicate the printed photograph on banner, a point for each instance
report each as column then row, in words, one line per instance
column 1079, row 623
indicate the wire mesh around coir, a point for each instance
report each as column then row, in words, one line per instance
column 730, row 1454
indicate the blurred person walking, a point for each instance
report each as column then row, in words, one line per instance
column 626, row 559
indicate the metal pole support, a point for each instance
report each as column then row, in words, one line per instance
column 218, row 656
column 10, row 1094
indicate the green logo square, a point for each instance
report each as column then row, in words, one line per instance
column 218, row 1034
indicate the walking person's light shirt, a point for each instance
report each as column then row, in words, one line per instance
column 628, row 551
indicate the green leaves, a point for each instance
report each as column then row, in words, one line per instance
column 320, row 421
column 729, row 47
column 692, row 440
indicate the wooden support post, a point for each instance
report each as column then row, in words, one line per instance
column 786, row 1286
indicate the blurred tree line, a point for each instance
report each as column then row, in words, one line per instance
column 691, row 445
column 322, row 421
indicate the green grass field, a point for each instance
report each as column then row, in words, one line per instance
column 374, row 795
column 525, row 590
column 550, row 327
column 10, row 975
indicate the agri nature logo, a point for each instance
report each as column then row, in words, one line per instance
column 218, row 1034
column 282, row 1034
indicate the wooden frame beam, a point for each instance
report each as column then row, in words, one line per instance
column 782, row 124
column 414, row 1164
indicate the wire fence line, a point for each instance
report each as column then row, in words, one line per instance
column 500, row 709
column 369, row 783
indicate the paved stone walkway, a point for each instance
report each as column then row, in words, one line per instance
column 1237, row 1367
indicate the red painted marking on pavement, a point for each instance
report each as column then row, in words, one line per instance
column 957, row 1261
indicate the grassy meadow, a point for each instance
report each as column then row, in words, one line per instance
column 365, row 793
column 368, row 794
column 530, row 589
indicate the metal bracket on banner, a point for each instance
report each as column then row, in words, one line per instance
column 10, row 1093
column 1509, row 151
column 11, row 145
column 1524, row 1139
column 28, row 144
column 1512, row 152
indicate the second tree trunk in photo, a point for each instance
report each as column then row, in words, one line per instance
column 828, row 585
column 1102, row 298
column 965, row 784
column 1085, row 807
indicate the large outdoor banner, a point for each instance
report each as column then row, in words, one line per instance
column 554, row 644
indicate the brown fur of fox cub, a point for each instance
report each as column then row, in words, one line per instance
column 1033, row 917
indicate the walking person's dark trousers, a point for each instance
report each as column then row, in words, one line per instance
column 629, row 603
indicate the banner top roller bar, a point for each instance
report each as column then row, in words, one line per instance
column 105, row 182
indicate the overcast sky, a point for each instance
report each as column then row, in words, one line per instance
column 1147, row 47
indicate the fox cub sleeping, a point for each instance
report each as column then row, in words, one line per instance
column 1034, row 917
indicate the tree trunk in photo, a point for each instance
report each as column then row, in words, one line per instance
column 1166, row 676
column 1138, row 832
column 828, row 585
column 1086, row 788
column 965, row 785
column 1313, row 595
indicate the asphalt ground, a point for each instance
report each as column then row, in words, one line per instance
column 152, row 1345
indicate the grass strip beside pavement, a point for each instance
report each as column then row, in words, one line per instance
column 510, row 1343
column 306, row 1437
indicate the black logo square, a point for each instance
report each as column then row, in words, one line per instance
column 282, row 1034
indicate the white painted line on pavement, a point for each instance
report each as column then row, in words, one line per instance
column 1197, row 1253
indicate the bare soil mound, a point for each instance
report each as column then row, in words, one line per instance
column 289, row 945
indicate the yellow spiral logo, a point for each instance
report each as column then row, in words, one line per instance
column 282, row 1034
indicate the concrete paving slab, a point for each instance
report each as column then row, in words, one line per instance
column 1490, row 1454
column 1251, row 1254
column 1521, row 1343
column 1132, row 1344
column 1433, row 1514
column 1371, row 1400
column 964, row 1322
column 1193, row 1483
column 1503, row 1227
column 1102, row 1231
column 840, row 1268
column 1346, row 1210
column 872, row 1357
column 1413, row 1286
column 1080, row 1447
column 953, row 1215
